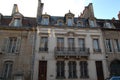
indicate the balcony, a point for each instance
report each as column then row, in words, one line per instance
column 45, row 49
column 71, row 52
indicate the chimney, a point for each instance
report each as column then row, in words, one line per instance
column 40, row 8
column 15, row 9
column 119, row 15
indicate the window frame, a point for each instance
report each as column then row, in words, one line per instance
column 60, row 69
column 84, row 69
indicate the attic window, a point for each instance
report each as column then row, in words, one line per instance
column 70, row 21
column 17, row 22
column 108, row 25
column 60, row 23
column 45, row 21
column 79, row 24
column 92, row 24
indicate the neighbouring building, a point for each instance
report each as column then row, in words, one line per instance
column 68, row 47
column 111, row 39
column 16, row 46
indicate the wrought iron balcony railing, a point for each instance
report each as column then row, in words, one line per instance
column 71, row 51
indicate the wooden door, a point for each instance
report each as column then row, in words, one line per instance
column 42, row 70
column 99, row 69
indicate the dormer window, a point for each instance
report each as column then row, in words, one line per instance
column 79, row 24
column 45, row 21
column 17, row 22
column 70, row 21
column 108, row 25
column 92, row 23
column 60, row 23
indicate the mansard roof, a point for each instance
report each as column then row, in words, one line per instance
column 26, row 21
column 100, row 22
column 53, row 19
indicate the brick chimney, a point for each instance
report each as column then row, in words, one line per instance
column 119, row 15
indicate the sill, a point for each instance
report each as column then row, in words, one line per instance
column 60, row 77
column 84, row 77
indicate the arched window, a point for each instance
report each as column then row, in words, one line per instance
column 115, row 68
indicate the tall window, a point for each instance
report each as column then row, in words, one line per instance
column 108, row 45
column 45, row 21
column 71, row 44
column 72, row 69
column 60, row 69
column 117, row 45
column 7, row 71
column 44, row 44
column 11, row 45
column 70, row 21
column 81, row 43
column 60, row 43
column 84, row 69
column 96, row 45
column 92, row 24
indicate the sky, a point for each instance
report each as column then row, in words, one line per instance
column 103, row 9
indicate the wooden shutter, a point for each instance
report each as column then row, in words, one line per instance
column 5, row 45
column 18, row 43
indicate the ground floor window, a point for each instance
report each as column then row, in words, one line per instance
column 83, row 69
column 60, row 69
column 72, row 69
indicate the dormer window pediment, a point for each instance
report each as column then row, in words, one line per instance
column 16, row 20
column 69, row 19
column 45, row 19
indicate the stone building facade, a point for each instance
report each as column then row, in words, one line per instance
column 16, row 46
column 59, row 47
column 111, row 39
column 69, row 48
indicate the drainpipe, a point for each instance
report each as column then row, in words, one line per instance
column 33, row 54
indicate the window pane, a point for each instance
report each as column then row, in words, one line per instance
column 60, row 43
column 70, row 22
column 92, row 23
column 7, row 70
column 17, row 22
column 71, row 43
column 60, row 69
column 81, row 43
column 43, row 44
column 108, row 45
column 83, row 69
column 95, row 44
column 45, row 21
column 117, row 45
column 72, row 69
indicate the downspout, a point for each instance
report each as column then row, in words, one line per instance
column 33, row 53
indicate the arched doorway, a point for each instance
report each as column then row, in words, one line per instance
column 115, row 68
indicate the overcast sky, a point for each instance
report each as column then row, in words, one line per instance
column 102, row 8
